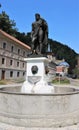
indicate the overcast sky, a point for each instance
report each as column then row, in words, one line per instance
column 62, row 17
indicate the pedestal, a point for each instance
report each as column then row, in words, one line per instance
column 35, row 76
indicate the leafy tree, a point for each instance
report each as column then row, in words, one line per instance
column 62, row 51
column 6, row 24
column 9, row 26
column 24, row 37
column 76, row 72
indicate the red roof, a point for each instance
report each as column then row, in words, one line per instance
column 14, row 39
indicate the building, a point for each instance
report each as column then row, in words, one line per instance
column 57, row 67
column 62, row 68
column 52, row 64
column 12, row 54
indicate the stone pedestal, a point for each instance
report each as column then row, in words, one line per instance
column 35, row 76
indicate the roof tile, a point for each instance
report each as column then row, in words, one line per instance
column 14, row 39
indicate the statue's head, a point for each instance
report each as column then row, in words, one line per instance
column 37, row 16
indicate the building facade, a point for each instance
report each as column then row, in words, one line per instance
column 62, row 68
column 12, row 54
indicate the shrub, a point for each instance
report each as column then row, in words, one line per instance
column 61, row 80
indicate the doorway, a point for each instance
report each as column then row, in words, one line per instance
column 3, row 74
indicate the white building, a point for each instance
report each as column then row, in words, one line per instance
column 12, row 54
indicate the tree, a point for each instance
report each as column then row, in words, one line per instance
column 76, row 72
column 6, row 24
column 26, row 38
column 62, row 51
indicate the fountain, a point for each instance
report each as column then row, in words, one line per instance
column 36, row 104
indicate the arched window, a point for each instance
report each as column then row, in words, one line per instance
column 12, row 48
column 18, row 51
column 4, row 45
column 18, row 74
column 11, row 73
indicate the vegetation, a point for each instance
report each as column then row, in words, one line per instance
column 75, row 71
column 60, row 80
column 2, row 82
column 60, row 50
column 6, row 24
column 9, row 26
column 11, row 81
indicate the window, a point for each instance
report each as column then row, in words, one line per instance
column 11, row 62
column 11, row 73
column 17, row 74
column 23, row 53
column 23, row 73
column 12, row 48
column 17, row 64
column 23, row 65
column 18, row 51
column 4, row 45
column 3, row 60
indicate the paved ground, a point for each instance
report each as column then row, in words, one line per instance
column 9, row 127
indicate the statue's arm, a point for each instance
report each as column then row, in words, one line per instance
column 35, row 29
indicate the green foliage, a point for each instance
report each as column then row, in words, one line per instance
column 60, row 80
column 2, row 82
column 6, row 24
column 9, row 26
column 62, row 51
column 76, row 72
column 26, row 38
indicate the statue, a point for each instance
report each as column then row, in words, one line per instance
column 39, row 35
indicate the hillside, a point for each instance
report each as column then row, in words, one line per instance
column 62, row 51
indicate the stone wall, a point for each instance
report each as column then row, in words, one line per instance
column 37, row 110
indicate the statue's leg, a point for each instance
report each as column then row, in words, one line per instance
column 34, row 45
column 40, row 40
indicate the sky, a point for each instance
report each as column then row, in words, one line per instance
column 62, row 17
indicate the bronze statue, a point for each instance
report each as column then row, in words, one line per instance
column 39, row 35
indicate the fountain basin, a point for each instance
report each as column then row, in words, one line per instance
column 61, row 108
